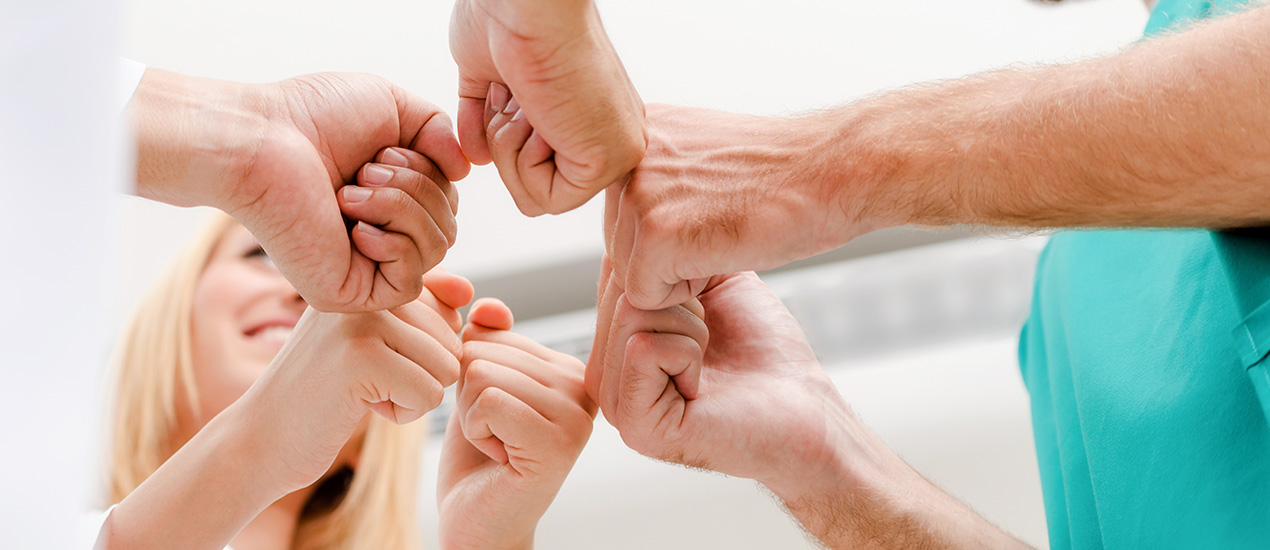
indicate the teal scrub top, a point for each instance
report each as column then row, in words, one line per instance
column 1144, row 356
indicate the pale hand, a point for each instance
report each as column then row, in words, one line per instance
column 521, row 420
column 337, row 367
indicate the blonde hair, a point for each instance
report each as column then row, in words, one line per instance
column 377, row 508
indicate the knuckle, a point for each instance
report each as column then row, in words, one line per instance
column 433, row 394
column 479, row 375
column 448, row 372
column 449, row 229
column 489, row 397
column 398, row 199
column 640, row 345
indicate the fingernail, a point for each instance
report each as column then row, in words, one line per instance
column 498, row 96
column 393, row 158
column 376, row 175
column 519, row 115
column 512, row 106
column 370, row 229
column 353, row 193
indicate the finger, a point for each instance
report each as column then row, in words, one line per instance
column 405, row 158
column 390, row 261
column 451, row 292
column 561, row 372
column 477, row 333
column 648, row 287
column 482, row 374
column 497, row 421
column 506, row 130
column 425, row 128
column 612, row 202
column 492, row 314
column 546, row 186
column 472, row 130
column 629, row 321
column 423, row 190
column 424, row 323
column 605, row 310
column 625, row 230
column 395, row 211
column 650, row 363
column 398, row 390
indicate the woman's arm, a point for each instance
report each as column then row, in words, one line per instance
column 287, row 430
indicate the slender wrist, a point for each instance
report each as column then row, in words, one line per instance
column 196, row 137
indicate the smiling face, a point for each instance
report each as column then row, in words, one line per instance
column 242, row 313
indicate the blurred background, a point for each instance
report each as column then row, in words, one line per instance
column 917, row 328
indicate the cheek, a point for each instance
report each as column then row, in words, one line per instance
column 222, row 369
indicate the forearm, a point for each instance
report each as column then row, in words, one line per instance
column 195, row 136
column 199, row 499
column 863, row 496
column 1173, row 132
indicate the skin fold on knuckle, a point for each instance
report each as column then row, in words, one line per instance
column 478, row 376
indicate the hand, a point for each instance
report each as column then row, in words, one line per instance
column 403, row 194
column 522, row 419
column 720, row 193
column 584, row 116
column 725, row 382
column 274, row 156
column 337, row 367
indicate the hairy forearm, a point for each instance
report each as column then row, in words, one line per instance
column 199, row 499
column 1173, row 132
column 866, row 497
column 193, row 136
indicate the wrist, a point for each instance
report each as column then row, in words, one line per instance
column 853, row 169
column 860, row 494
column 243, row 444
column 196, row 137
column 845, row 454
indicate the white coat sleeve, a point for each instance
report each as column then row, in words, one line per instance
column 130, row 73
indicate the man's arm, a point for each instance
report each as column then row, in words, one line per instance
column 279, row 158
column 873, row 500
column 727, row 382
column 1172, row 132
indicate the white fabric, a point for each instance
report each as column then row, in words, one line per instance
column 130, row 73
column 91, row 526
column 61, row 149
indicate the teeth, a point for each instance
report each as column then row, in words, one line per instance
column 274, row 335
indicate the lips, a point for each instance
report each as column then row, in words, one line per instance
column 273, row 333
